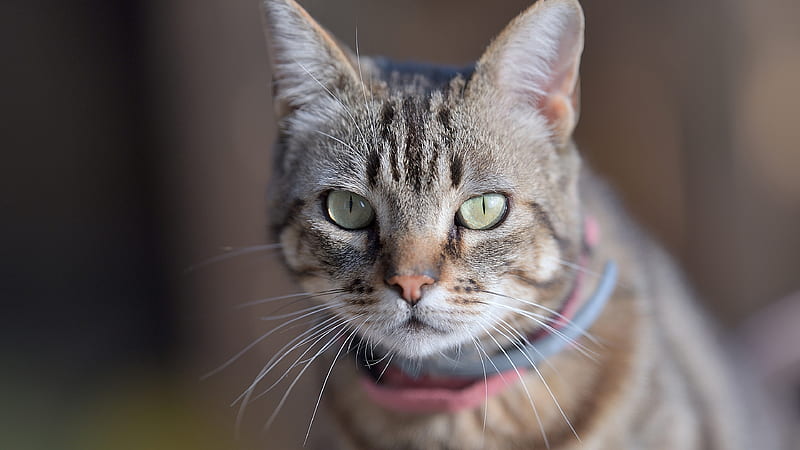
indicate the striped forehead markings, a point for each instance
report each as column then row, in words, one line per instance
column 456, row 169
column 415, row 135
column 373, row 166
column 444, row 118
column 420, row 164
column 387, row 118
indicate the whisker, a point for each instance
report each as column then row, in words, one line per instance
column 299, row 375
column 308, row 295
column 375, row 363
column 253, row 344
column 299, row 361
column 580, row 268
column 230, row 254
column 567, row 321
column 496, row 369
column 388, row 363
column 315, row 331
column 575, row 266
column 587, row 352
column 273, row 362
column 538, row 373
column 486, row 391
column 250, row 389
column 577, row 345
column 361, row 342
column 522, row 382
column 376, row 344
column 317, row 308
column 452, row 359
column 325, row 382
column 529, row 344
column 304, row 324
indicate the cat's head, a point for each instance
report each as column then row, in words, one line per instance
column 428, row 208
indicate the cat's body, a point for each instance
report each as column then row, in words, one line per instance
column 415, row 283
column 658, row 382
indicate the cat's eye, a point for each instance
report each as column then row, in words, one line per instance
column 482, row 212
column 348, row 210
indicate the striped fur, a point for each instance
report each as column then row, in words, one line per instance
column 417, row 142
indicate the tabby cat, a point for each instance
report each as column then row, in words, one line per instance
column 490, row 289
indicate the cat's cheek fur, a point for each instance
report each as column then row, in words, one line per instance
column 547, row 256
column 293, row 252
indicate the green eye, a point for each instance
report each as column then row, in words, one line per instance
column 482, row 212
column 348, row 210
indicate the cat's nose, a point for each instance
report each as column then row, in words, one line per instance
column 411, row 286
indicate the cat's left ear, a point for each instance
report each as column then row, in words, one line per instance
column 532, row 66
column 308, row 64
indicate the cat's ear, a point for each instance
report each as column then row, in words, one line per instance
column 307, row 62
column 532, row 66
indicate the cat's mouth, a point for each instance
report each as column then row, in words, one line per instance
column 415, row 324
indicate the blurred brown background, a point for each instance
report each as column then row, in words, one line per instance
column 137, row 142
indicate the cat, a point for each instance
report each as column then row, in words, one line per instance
column 491, row 290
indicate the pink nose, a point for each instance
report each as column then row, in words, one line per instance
column 411, row 285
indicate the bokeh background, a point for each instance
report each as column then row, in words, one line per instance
column 136, row 143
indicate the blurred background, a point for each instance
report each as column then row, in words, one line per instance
column 136, row 143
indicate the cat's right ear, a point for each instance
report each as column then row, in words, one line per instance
column 530, row 71
column 307, row 63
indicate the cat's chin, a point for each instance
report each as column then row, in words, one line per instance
column 415, row 339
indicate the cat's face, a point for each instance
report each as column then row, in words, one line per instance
column 383, row 183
